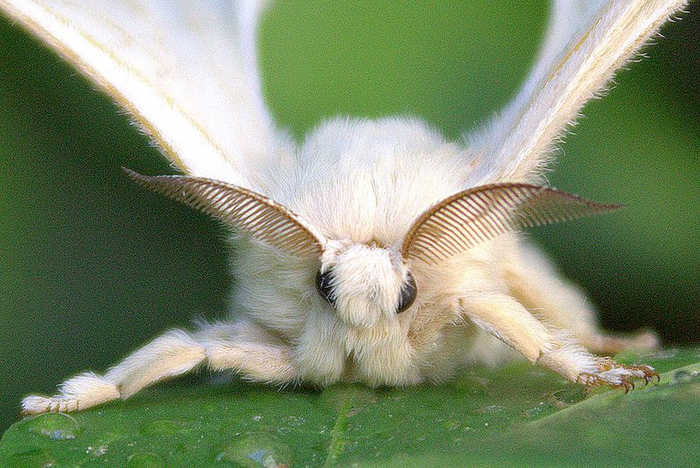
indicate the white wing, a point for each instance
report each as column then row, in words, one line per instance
column 587, row 41
column 185, row 70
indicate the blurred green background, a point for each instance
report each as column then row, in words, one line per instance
column 91, row 266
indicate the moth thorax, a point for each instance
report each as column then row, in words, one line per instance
column 367, row 282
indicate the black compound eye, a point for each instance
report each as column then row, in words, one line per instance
column 324, row 285
column 408, row 294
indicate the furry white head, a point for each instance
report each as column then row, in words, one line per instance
column 365, row 283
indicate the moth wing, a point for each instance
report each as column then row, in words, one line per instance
column 585, row 43
column 185, row 71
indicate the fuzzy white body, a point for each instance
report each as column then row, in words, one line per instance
column 357, row 171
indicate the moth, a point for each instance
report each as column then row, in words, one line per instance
column 373, row 251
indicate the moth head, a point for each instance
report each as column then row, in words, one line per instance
column 365, row 283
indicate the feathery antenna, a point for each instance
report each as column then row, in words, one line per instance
column 479, row 214
column 261, row 217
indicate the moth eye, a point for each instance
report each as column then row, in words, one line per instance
column 324, row 285
column 408, row 294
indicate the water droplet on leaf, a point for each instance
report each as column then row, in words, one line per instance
column 97, row 451
column 145, row 460
column 490, row 409
column 452, row 424
column 683, row 375
column 257, row 449
column 169, row 427
column 475, row 385
column 56, row 426
column 542, row 409
column 294, row 421
column 567, row 396
column 31, row 459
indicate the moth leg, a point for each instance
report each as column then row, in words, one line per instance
column 510, row 321
column 175, row 353
column 536, row 284
column 506, row 319
column 249, row 350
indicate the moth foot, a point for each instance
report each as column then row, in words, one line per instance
column 80, row 392
column 614, row 375
column 36, row 404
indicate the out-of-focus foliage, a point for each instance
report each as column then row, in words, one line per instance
column 92, row 266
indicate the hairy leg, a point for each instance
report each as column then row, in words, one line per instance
column 508, row 320
column 536, row 284
column 249, row 350
column 219, row 346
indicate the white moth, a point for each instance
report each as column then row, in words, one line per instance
column 375, row 251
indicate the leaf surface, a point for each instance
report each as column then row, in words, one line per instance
column 516, row 415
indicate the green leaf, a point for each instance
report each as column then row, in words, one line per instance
column 517, row 415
